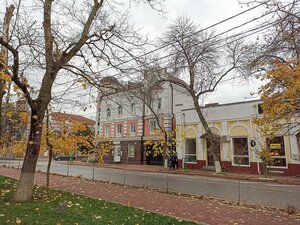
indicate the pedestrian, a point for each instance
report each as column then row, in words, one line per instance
column 173, row 161
column 170, row 162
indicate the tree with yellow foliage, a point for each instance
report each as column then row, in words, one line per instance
column 281, row 98
column 12, row 138
column 73, row 138
column 165, row 145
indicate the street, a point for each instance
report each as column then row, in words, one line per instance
column 277, row 195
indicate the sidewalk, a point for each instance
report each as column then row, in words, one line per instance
column 280, row 179
column 203, row 211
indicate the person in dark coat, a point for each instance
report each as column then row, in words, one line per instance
column 173, row 161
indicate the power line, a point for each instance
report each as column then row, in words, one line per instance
column 255, row 30
column 199, row 31
column 226, row 38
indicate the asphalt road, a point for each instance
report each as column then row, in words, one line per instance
column 277, row 195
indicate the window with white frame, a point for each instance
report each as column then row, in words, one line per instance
column 153, row 126
column 107, row 131
column 298, row 143
column 240, row 151
column 120, row 110
column 190, row 151
column 131, row 150
column 108, row 112
column 276, row 146
column 159, row 103
column 119, row 129
column 132, row 127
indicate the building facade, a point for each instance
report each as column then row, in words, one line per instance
column 240, row 140
column 130, row 118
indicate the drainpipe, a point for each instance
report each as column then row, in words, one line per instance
column 143, row 131
column 181, row 133
column 172, row 116
column 255, row 109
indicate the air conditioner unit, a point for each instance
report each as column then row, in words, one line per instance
column 225, row 138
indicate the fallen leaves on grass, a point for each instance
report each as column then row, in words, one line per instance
column 18, row 221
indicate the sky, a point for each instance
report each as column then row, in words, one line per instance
column 204, row 13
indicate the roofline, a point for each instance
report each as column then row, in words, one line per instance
column 129, row 90
column 225, row 104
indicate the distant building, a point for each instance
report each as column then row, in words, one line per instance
column 240, row 140
column 56, row 117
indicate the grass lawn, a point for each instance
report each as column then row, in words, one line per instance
column 51, row 207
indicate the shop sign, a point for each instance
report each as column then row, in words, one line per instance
column 275, row 146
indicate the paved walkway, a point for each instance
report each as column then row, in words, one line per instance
column 185, row 207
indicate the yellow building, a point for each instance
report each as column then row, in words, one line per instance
column 240, row 141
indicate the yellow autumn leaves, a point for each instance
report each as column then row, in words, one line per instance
column 280, row 96
column 163, row 145
column 74, row 137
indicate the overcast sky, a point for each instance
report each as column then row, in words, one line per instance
column 204, row 13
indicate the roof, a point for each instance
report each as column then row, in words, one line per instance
column 73, row 117
column 213, row 105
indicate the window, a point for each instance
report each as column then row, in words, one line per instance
column 107, row 131
column 131, row 149
column 153, row 126
column 240, row 151
column 276, row 146
column 260, row 109
column 119, row 129
column 108, row 112
column 132, row 128
column 132, row 107
column 120, row 110
column 190, row 150
column 298, row 142
column 159, row 103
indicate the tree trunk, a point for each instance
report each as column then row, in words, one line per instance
column 4, row 53
column 49, row 166
column 1, row 99
column 212, row 138
column 213, row 150
column 26, row 181
column 50, row 154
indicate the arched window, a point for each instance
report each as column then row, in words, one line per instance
column 120, row 110
column 132, row 107
column 108, row 112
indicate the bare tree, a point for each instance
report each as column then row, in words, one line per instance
column 81, row 37
column 196, row 57
column 281, row 42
